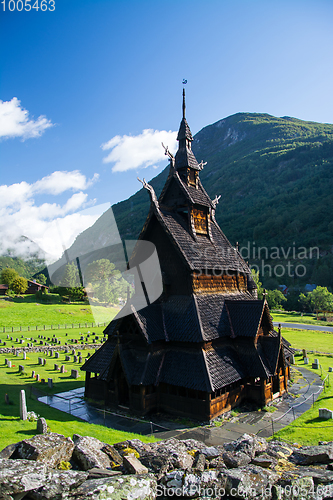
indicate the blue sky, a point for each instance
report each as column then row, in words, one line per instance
column 103, row 72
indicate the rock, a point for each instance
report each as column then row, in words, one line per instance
column 179, row 484
column 41, row 426
column 119, row 488
column 49, row 448
column 161, row 456
column 113, row 454
column 10, row 451
column 234, row 460
column 264, row 461
column 250, row 444
column 133, row 465
column 88, row 453
column 199, row 463
column 313, row 454
column 249, row 481
column 210, row 452
column 17, row 476
column 99, row 473
column 278, row 450
column 59, row 484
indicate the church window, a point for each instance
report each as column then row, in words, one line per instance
column 200, row 221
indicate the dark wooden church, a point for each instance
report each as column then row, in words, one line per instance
column 207, row 343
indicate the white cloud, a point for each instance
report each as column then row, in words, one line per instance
column 49, row 225
column 140, row 151
column 58, row 182
column 14, row 121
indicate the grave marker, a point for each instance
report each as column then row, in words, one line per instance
column 23, row 406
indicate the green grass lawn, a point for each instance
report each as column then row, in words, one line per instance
column 309, row 339
column 11, row 382
column 27, row 311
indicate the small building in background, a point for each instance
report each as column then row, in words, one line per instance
column 34, row 287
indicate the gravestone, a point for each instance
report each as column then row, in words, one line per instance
column 9, row 363
column 23, row 406
column 325, row 413
column 50, row 383
column 75, row 373
column 62, row 369
column 79, row 353
column 315, row 364
column 94, row 341
column 88, row 354
column 21, row 368
column 24, row 355
column 33, row 374
column 330, row 368
column 56, row 355
column 80, row 359
column 73, row 352
column 67, row 358
column 75, row 359
column 40, row 342
column 41, row 426
column 305, row 355
column 21, row 341
column 306, row 361
column 42, row 381
column 6, row 361
column 56, row 367
column 37, row 377
column 44, row 361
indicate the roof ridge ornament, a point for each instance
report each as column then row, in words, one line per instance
column 168, row 153
column 215, row 201
column 150, row 189
column 184, row 106
column 202, row 164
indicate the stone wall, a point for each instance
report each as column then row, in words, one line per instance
column 52, row 467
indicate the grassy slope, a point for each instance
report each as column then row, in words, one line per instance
column 308, row 429
column 11, row 382
column 27, row 312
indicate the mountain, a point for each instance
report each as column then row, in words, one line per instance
column 275, row 178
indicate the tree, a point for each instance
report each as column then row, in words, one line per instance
column 41, row 278
column 8, row 275
column 70, row 283
column 19, row 285
column 275, row 298
column 320, row 299
column 255, row 276
column 105, row 280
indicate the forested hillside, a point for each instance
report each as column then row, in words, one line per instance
column 275, row 177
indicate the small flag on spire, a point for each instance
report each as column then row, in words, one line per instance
column 184, row 81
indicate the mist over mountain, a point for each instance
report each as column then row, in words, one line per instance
column 275, row 178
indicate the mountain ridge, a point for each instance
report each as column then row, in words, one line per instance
column 275, row 177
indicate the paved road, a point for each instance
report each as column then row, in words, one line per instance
column 301, row 326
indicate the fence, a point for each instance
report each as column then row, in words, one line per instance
column 325, row 383
column 66, row 326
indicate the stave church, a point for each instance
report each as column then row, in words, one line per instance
column 207, row 343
